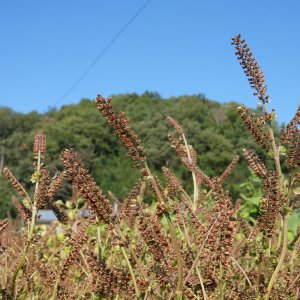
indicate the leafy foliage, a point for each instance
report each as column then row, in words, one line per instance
column 214, row 129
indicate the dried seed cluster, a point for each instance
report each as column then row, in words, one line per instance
column 86, row 185
column 117, row 121
column 159, row 245
column 271, row 205
column 255, row 126
column 14, row 182
column 24, row 212
column 225, row 226
column 291, row 138
column 130, row 207
column 56, row 183
column 255, row 163
column 3, row 225
column 173, row 183
column 229, row 169
column 39, row 143
column 251, row 68
column 76, row 243
column 109, row 282
column 41, row 195
column 175, row 125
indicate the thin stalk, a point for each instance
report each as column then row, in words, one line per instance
column 172, row 234
column 259, row 271
column 284, row 217
column 137, row 261
column 196, row 190
column 53, row 297
column 200, row 250
column 282, row 256
column 30, row 232
column 294, row 254
column 179, row 258
column 269, row 247
column 242, row 270
column 85, row 263
column 274, row 147
column 279, row 237
column 294, row 281
column 186, row 234
column 221, row 283
column 202, row 285
column 99, row 242
column 23, row 258
column 137, row 292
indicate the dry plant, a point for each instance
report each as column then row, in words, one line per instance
column 182, row 246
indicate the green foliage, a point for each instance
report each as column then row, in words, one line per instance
column 214, row 129
column 250, row 198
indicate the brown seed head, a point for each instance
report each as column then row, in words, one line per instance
column 255, row 163
column 3, row 225
column 24, row 212
column 125, row 133
column 39, row 143
column 251, row 68
column 86, row 185
column 255, row 126
column 14, row 182
column 175, row 125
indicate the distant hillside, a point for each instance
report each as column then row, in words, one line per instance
column 214, row 129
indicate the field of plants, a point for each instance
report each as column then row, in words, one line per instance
column 170, row 237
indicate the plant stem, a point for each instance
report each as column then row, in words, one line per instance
column 274, row 147
column 30, row 231
column 196, row 190
column 284, row 217
column 137, row 292
column 282, row 256
column 200, row 250
column 179, row 258
column 173, row 236
column 201, row 283
column 23, row 258
column 242, row 270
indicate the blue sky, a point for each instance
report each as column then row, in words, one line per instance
column 172, row 47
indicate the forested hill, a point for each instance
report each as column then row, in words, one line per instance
column 214, row 129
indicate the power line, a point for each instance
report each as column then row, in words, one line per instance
column 103, row 51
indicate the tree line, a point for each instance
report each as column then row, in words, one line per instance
column 214, row 129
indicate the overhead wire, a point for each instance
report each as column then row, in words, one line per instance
column 103, row 51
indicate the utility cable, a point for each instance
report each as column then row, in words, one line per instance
column 104, row 50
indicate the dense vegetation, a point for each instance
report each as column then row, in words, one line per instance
column 190, row 237
column 214, row 129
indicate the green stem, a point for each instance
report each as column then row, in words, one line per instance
column 274, row 147
column 242, row 270
column 173, row 236
column 201, row 283
column 179, row 259
column 279, row 237
column 30, row 232
column 284, row 217
column 23, row 258
column 137, row 292
column 196, row 259
column 282, row 256
column 196, row 190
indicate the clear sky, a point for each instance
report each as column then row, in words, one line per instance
column 173, row 47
